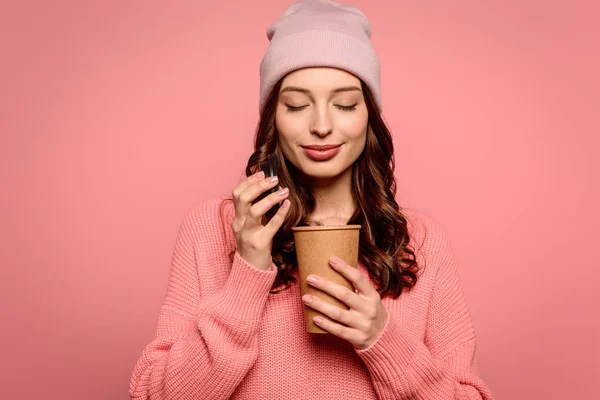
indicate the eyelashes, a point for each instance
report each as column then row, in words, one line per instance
column 295, row 109
column 343, row 108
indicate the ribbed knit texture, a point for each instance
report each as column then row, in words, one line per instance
column 222, row 335
column 320, row 33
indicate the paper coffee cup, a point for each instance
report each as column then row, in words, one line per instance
column 314, row 246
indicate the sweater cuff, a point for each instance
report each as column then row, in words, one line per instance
column 245, row 293
column 391, row 355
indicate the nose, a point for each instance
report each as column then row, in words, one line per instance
column 322, row 124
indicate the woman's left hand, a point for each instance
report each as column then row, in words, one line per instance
column 362, row 324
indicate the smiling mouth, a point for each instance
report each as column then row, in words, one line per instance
column 322, row 147
column 321, row 153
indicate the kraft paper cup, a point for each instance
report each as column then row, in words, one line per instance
column 314, row 246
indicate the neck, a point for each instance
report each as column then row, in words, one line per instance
column 334, row 201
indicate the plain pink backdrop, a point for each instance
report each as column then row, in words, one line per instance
column 118, row 117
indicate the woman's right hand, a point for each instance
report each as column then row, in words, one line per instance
column 255, row 240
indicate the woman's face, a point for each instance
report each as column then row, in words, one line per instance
column 321, row 106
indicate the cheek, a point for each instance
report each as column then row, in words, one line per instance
column 284, row 125
column 291, row 127
column 289, row 133
column 355, row 128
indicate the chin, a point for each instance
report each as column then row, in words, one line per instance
column 322, row 170
column 322, row 175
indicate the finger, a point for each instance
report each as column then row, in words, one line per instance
column 239, row 189
column 355, row 277
column 342, row 293
column 243, row 185
column 251, row 192
column 350, row 334
column 335, row 313
column 277, row 220
column 257, row 211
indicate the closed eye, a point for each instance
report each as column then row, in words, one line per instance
column 300, row 108
column 294, row 109
column 347, row 108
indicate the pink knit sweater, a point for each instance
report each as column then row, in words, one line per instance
column 222, row 335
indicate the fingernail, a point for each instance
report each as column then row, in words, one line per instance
column 272, row 179
column 260, row 174
column 283, row 192
column 334, row 260
column 307, row 299
column 312, row 279
column 318, row 320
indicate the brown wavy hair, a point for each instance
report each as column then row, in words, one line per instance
column 384, row 247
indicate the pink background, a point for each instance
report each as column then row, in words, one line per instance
column 116, row 117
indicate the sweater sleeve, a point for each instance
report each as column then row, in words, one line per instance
column 203, row 346
column 442, row 367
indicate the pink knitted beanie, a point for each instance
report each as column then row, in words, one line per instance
column 319, row 33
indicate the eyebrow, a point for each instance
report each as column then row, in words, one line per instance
column 302, row 90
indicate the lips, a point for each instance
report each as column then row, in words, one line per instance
column 321, row 153
column 322, row 147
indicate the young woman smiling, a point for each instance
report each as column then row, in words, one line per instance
column 231, row 325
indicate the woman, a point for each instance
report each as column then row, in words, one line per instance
column 232, row 326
